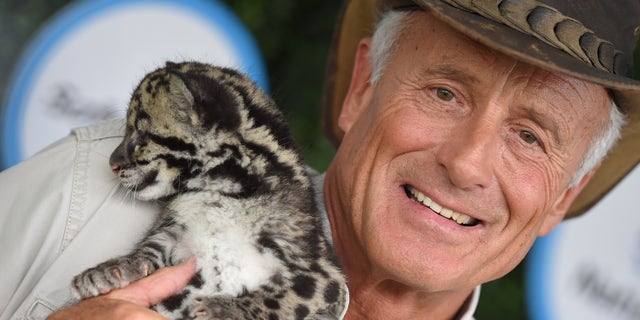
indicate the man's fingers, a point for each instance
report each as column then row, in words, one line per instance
column 158, row 286
column 132, row 302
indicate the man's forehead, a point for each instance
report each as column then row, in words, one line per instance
column 459, row 54
column 560, row 103
column 426, row 29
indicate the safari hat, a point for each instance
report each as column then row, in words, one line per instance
column 592, row 40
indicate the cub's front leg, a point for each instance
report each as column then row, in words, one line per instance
column 112, row 274
column 152, row 253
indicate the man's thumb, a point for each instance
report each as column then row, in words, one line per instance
column 158, row 286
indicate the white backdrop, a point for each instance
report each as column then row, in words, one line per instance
column 589, row 267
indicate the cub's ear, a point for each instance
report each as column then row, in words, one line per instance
column 180, row 94
column 211, row 101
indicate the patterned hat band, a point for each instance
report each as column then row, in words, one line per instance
column 551, row 26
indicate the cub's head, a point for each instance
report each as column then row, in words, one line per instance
column 169, row 115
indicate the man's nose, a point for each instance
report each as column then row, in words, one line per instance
column 469, row 155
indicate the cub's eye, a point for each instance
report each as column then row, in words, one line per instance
column 528, row 137
column 444, row 94
column 141, row 137
column 137, row 140
column 131, row 147
column 138, row 137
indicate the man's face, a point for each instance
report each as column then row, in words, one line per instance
column 455, row 125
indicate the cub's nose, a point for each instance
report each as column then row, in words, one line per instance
column 115, row 168
column 117, row 160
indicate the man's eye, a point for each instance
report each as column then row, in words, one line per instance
column 528, row 137
column 444, row 94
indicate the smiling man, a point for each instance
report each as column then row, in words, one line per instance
column 465, row 129
column 447, row 173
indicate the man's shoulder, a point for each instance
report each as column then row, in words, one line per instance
column 113, row 128
column 87, row 138
column 68, row 194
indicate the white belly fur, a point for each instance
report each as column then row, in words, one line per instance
column 225, row 251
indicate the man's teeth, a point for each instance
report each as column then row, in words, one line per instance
column 460, row 218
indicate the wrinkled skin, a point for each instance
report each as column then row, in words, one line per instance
column 475, row 131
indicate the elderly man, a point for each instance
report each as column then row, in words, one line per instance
column 467, row 129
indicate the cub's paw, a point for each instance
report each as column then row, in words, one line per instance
column 110, row 275
column 218, row 308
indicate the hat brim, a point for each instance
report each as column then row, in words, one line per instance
column 358, row 18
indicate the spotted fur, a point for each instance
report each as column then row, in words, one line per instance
column 214, row 147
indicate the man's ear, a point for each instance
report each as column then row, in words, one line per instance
column 563, row 204
column 358, row 95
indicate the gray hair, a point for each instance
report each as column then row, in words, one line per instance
column 391, row 25
column 601, row 142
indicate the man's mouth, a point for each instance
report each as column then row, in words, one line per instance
column 459, row 218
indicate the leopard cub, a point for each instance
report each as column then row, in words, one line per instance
column 216, row 152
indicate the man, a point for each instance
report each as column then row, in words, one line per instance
column 461, row 140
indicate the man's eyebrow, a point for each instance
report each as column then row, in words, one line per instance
column 450, row 71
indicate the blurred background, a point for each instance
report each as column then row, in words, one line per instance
column 293, row 37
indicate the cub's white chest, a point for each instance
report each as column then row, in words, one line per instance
column 225, row 245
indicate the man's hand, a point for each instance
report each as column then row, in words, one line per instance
column 133, row 302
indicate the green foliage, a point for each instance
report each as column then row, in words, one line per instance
column 503, row 298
